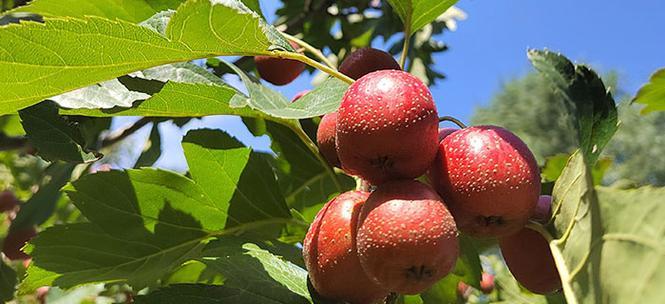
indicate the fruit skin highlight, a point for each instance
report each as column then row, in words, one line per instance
column 325, row 139
column 530, row 260
column 279, row 71
column 490, row 179
column 329, row 250
column 387, row 127
column 366, row 60
column 407, row 239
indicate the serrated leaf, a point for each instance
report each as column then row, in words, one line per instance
column 41, row 205
column 40, row 62
column 228, row 172
column 145, row 223
column 605, row 235
column 261, row 274
column 417, row 13
column 133, row 11
column 652, row 94
column 152, row 149
column 8, row 282
column 589, row 103
column 54, row 138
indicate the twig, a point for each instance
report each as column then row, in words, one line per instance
column 311, row 49
column 126, row 132
column 406, row 45
column 311, row 62
column 458, row 122
column 12, row 143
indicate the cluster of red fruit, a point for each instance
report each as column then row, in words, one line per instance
column 402, row 237
column 16, row 238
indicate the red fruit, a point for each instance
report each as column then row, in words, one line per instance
column 300, row 94
column 529, row 259
column 330, row 254
column 407, row 239
column 490, row 179
column 279, row 71
column 543, row 210
column 15, row 240
column 8, row 201
column 487, row 283
column 444, row 132
column 463, row 289
column 387, row 127
column 325, row 138
column 366, row 60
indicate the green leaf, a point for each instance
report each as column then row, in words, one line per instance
column 11, row 125
column 42, row 204
column 652, row 94
column 104, row 95
column 145, row 223
column 257, row 271
column 589, row 103
column 133, row 11
column 152, row 149
column 606, row 235
column 228, row 172
column 467, row 269
column 8, row 282
column 54, row 138
column 325, row 98
column 65, row 54
column 554, row 166
column 417, row 13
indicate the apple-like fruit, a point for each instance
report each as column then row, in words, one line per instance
column 366, row 60
column 330, row 254
column 325, row 139
column 387, row 127
column 490, row 180
column 15, row 240
column 279, row 71
column 529, row 259
column 407, row 239
column 8, row 201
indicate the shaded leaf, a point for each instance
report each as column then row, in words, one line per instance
column 589, row 103
column 105, row 95
column 152, row 149
column 41, row 68
column 54, row 138
column 8, row 282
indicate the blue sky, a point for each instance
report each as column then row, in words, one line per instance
column 489, row 48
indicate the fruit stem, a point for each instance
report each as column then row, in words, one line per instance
column 406, row 45
column 559, row 261
column 454, row 120
column 315, row 150
column 311, row 49
column 311, row 62
column 362, row 185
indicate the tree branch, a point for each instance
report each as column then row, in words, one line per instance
column 126, row 132
column 12, row 143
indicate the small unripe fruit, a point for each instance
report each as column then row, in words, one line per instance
column 487, row 283
column 325, row 138
column 279, row 71
column 330, row 254
column 489, row 178
column 8, row 201
column 407, row 239
column 387, row 127
column 15, row 240
column 366, row 60
column 529, row 259
column 543, row 210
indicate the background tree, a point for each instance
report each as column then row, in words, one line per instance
column 529, row 107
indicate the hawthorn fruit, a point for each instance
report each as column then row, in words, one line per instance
column 543, row 210
column 329, row 250
column 300, row 94
column 387, row 127
column 444, row 132
column 325, row 138
column 489, row 178
column 279, row 71
column 487, row 283
column 529, row 259
column 407, row 239
column 366, row 60
column 15, row 240
column 8, row 201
